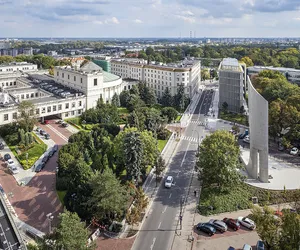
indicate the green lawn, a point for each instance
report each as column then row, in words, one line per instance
column 34, row 152
column 237, row 118
column 61, row 196
column 178, row 118
column 161, row 144
column 122, row 110
column 240, row 198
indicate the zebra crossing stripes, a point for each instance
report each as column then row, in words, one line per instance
column 189, row 138
column 198, row 123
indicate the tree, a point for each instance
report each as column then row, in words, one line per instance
column 70, row 234
column 26, row 118
column 290, row 231
column 133, row 154
column 146, row 94
column 124, row 98
column 218, row 159
column 108, row 196
column 149, row 149
column 267, row 226
column 26, row 141
column 170, row 113
column 247, row 60
column 115, row 100
column 225, row 107
column 205, row 74
column 167, row 99
column 180, row 99
column 159, row 167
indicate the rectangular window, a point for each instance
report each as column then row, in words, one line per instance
column 36, row 94
column 73, row 113
column 80, row 80
column 54, row 108
column 37, row 111
column 73, row 104
column 95, row 82
column 15, row 115
column 57, row 74
column 49, row 109
column 32, row 95
column 27, row 96
column 68, row 77
column 74, row 78
column 43, row 110
column 5, row 117
column 79, row 103
column 59, row 107
column 79, row 112
column 67, row 105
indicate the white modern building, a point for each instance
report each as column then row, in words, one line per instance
column 161, row 76
column 231, row 84
column 17, row 66
column 91, row 80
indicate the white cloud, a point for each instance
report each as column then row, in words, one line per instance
column 112, row 20
column 188, row 19
column 187, row 13
column 138, row 21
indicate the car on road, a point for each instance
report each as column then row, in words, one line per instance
column 294, row 151
column 9, row 162
column 1, row 145
column 246, row 139
column 246, row 222
column 39, row 167
column 206, row 228
column 38, row 129
column 219, row 225
column 231, row 248
column 64, row 124
column 13, row 169
column 47, row 136
column 55, row 148
column 233, row 224
column 169, row 182
column 45, row 159
column 7, row 157
column 260, row 245
column 247, row 247
column 51, row 153
column 45, row 122
column 59, row 121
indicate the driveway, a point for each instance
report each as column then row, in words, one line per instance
column 38, row 198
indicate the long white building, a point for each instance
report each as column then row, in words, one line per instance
column 159, row 76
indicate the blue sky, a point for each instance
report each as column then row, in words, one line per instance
column 149, row 18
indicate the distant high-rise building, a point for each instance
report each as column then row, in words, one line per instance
column 231, row 84
column 27, row 51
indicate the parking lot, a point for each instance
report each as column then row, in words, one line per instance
column 222, row 241
column 33, row 201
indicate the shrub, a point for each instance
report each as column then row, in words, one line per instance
column 163, row 134
column 34, row 153
column 62, row 183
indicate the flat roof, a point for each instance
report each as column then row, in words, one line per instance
column 274, row 68
column 109, row 77
column 16, row 64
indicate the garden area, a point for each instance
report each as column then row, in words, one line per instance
column 233, row 117
column 25, row 146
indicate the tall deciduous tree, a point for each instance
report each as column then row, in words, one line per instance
column 218, row 160
column 167, row 99
column 170, row 113
column 109, row 199
column 115, row 100
column 124, row 98
column 26, row 115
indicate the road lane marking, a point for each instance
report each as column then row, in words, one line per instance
column 159, row 225
column 170, row 195
column 153, row 242
column 164, row 209
column 58, row 133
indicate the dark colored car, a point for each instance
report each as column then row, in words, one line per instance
column 55, row 148
column 64, row 124
column 47, row 136
column 39, row 167
column 42, row 132
column 206, row 228
column 260, row 245
column 233, row 224
column 7, row 157
column 45, row 159
column 51, row 153
column 231, row 248
column 1, row 145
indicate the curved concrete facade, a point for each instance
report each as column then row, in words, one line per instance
column 259, row 135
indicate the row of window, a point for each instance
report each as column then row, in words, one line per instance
column 74, row 78
column 9, row 84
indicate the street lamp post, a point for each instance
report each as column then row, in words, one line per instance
column 50, row 218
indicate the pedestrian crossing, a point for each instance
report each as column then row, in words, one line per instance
column 198, row 123
column 189, row 138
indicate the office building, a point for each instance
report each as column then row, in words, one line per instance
column 160, row 76
column 231, row 84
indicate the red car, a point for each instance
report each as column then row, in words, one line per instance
column 45, row 122
column 233, row 224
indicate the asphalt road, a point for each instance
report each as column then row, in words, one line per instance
column 158, row 230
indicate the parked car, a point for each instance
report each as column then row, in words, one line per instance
column 45, row 159
column 242, row 136
column 64, row 124
column 206, row 228
column 260, row 245
column 294, row 151
column 169, row 181
column 9, row 162
column 246, row 222
column 1, row 145
column 231, row 248
column 51, row 153
column 42, row 132
column 39, row 167
column 6, row 157
column 281, row 147
column 246, row 139
column 55, row 148
column 247, row 247
column 45, row 122
column 38, row 129
column 219, row 225
column 13, row 169
column 59, row 121
column 47, row 136
column 233, row 224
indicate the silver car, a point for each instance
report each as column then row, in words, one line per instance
column 219, row 225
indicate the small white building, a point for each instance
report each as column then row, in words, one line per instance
column 17, row 66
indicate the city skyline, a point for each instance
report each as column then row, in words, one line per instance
column 149, row 18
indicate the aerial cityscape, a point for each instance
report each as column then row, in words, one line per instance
column 174, row 128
